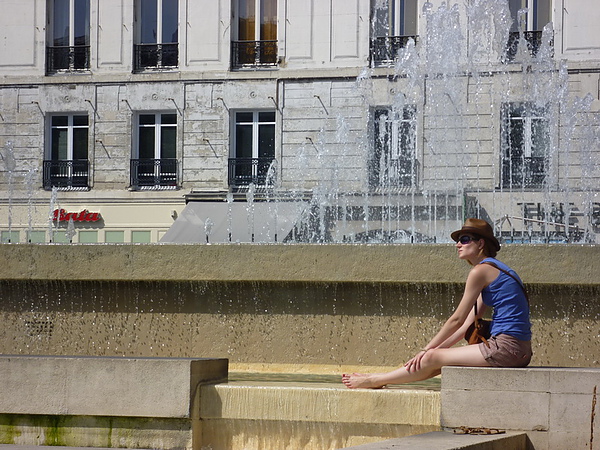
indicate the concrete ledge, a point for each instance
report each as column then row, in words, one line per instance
column 555, row 406
column 340, row 262
column 319, row 402
column 443, row 440
column 102, row 386
column 104, row 402
column 311, row 415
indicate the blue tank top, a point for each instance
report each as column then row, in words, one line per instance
column 511, row 308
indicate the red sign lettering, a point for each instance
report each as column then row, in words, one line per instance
column 60, row 215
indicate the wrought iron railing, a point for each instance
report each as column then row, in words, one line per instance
column 155, row 173
column 533, row 40
column 70, row 174
column 253, row 54
column 155, row 56
column 245, row 171
column 523, row 172
column 67, row 58
column 384, row 49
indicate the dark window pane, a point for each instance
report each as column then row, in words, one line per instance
column 147, row 119
column 82, row 22
column 266, row 141
column 61, row 23
column 60, row 121
column 243, row 117
column 168, row 142
column 80, row 120
column 243, row 141
column 170, row 21
column 149, row 21
column 146, row 142
column 266, row 116
column 516, row 138
column 409, row 18
column 168, row 119
column 80, row 143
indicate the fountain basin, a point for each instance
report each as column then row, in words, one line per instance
column 313, row 308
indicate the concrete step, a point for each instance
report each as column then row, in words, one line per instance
column 445, row 440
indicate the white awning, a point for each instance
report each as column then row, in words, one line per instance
column 244, row 222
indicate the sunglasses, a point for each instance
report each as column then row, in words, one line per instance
column 466, row 239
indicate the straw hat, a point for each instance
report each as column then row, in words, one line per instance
column 480, row 228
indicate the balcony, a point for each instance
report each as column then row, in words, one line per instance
column 253, row 54
column 66, row 174
column 246, row 171
column 523, row 172
column 155, row 57
column 533, row 40
column 67, row 59
column 154, row 173
column 384, row 50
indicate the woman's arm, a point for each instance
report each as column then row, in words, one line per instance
column 460, row 333
column 477, row 280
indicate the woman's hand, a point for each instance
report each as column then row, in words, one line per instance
column 414, row 364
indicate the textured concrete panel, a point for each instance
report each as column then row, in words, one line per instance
column 96, row 386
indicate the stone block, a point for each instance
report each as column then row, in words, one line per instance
column 555, row 406
column 495, row 409
column 101, row 386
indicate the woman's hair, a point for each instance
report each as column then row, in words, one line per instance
column 488, row 249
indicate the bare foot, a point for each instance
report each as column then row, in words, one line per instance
column 360, row 381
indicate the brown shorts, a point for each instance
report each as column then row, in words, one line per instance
column 506, row 351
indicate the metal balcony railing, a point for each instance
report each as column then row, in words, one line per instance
column 384, row 49
column 154, row 173
column 253, row 54
column 245, row 171
column 155, row 56
column 70, row 174
column 67, row 59
column 523, row 172
column 533, row 40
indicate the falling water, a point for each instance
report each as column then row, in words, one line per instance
column 53, row 199
column 30, row 183
column 10, row 164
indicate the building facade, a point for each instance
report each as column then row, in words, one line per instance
column 297, row 121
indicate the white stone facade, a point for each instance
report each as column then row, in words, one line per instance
column 324, row 88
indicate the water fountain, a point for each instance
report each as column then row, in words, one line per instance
column 330, row 308
column 435, row 158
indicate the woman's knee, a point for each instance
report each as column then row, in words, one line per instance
column 431, row 358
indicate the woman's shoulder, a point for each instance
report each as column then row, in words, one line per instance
column 494, row 262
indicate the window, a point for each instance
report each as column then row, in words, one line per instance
column 525, row 145
column 529, row 17
column 256, row 31
column 157, row 35
column 155, row 161
column 88, row 237
column 253, row 148
column 141, row 237
column 69, row 36
column 67, row 164
column 114, row 237
column 393, row 162
column 394, row 23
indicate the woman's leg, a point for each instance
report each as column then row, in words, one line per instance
column 431, row 365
